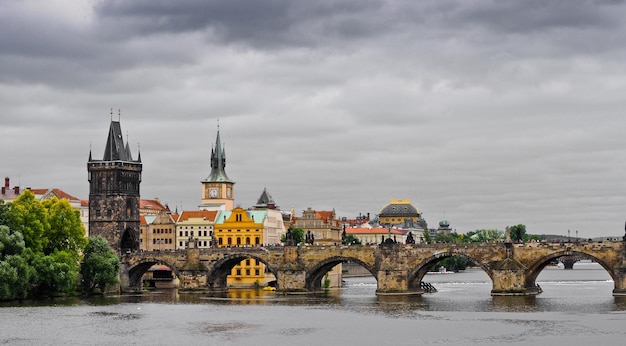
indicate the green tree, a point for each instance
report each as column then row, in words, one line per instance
column 4, row 213
column 100, row 266
column 518, row 233
column 427, row 239
column 351, row 240
column 17, row 277
column 484, row 235
column 53, row 276
column 11, row 243
column 296, row 234
column 453, row 263
column 447, row 238
column 28, row 216
column 66, row 232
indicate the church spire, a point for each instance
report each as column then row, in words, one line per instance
column 218, row 162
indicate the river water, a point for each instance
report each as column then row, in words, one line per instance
column 576, row 308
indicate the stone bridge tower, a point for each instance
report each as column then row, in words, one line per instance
column 114, row 193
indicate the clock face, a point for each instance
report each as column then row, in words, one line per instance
column 213, row 193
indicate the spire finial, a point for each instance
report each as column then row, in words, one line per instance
column 119, row 114
column 111, row 113
column 218, row 124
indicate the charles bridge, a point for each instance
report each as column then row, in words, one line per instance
column 398, row 268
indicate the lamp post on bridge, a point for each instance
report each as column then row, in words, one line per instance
column 569, row 240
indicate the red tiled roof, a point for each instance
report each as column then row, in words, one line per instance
column 152, row 204
column 208, row 215
column 142, row 220
column 57, row 192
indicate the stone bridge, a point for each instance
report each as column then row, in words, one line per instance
column 398, row 268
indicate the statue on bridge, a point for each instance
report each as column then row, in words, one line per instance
column 409, row 238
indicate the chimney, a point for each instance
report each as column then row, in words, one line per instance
column 16, row 190
column 6, row 182
column 4, row 190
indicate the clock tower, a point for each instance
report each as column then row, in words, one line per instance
column 217, row 188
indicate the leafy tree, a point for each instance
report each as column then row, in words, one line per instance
column 4, row 213
column 11, row 243
column 351, row 240
column 518, row 233
column 447, row 238
column 427, row 239
column 66, row 232
column 296, row 234
column 100, row 266
column 484, row 235
column 53, row 276
column 453, row 263
column 29, row 217
column 17, row 276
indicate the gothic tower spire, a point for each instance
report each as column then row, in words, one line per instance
column 217, row 188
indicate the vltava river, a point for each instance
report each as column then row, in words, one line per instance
column 576, row 308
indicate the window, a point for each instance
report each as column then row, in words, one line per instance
column 238, row 271
column 256, row 272
column 248, row 272
column 248, row 262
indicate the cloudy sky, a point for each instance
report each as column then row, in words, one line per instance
column 491, row 113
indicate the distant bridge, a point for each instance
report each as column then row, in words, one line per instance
column 398, row 269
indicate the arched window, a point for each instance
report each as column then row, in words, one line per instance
column 238, row 241
column 257, row 240
column 247, row 240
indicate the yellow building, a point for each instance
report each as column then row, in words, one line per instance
column 241, row 228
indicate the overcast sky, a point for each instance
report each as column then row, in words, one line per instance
column 491, row 113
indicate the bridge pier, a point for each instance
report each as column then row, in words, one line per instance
column 394, row 282
column 620, row 280
column 291, row 281
column 509, row 279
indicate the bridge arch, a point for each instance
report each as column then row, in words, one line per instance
column 536, row 267
column 138, row 269
column 218, row 272
column 313, row 281
column 418, row 273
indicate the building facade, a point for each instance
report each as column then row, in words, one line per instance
column 195, row 225
column 157, row 232
column 239, row 228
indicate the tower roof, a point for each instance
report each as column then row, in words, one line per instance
column 115, row 149
column 218, row 162
column 265, row 201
